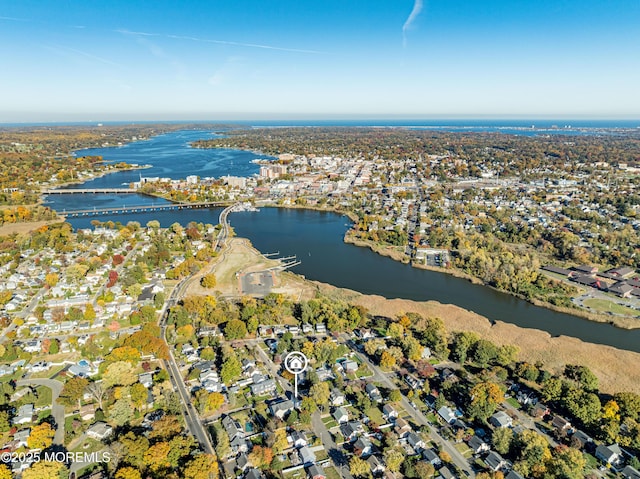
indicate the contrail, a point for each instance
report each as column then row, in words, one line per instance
column 219, row 42
column 417, row 8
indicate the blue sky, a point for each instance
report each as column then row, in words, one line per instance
column 243, row 59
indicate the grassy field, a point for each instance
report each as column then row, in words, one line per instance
column 375, row 415
column 44, row 397
column 605, row 306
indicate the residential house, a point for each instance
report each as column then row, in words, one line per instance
column 235, row 433
column 349, row 366
column 412, row 381
column 324, row 374
column 477, row 445
column 24, row 414
column 341, row 415
column 363, row 447
column 495, row 461
column 402, row 427
column 431, row 456
column 373, row 392
column 254, row 473
column 99, row 431
column 307, row 457
column 539, row 411
column 263, row 387
column 336, row 397
column 609, row 454
column 281, row 408
column 630, row 473
column 243, row 462
column 501, row 419
column 321, row 328
column 446, row 413
column 88, row 412
column 20, row 438
column 377, row 465
column 307, row 328
column 351, row 430
column 390, row 412
column 445, row 473
column 316, row 472
column 415, row 441
column 513, row 475
column 299, row 439
column 580, row 440
column 561, row 426
column 146, row 379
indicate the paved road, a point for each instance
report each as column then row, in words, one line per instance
column 418, row 417
column 57, row 410
column 192, row 419
column 335, row 453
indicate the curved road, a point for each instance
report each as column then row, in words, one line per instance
column 57, row 410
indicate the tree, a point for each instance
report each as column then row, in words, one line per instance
column 166, row 427
column 223, row 448
column 138, row 395
column 261, row 457
column 45, row 470
column 395, row 396
column 128, row 472
column 203, row 466
column 566, row 463
column 485, row 398
column 358, row 467
column 462, row 342
column 583, row 376
column 208, row 281
column 231, row 369
column 135, row 447
column 501, row 439
column 157, row 456
column 387, row 360
column 5, row 472
column 280, row 442
column 73, row 391
column 393, row 458
column 41, row 436
column 532, row 450
column 120, row 373
column 5, row 424
column 483, row 352
column 320, row 393
column 97, row 391
column 179, row 448
column 51, row 279
column 424, row 470
column 121, row 411
column 235, row 329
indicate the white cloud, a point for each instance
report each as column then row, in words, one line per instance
column 417, row 8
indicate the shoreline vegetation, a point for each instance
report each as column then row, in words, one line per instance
column 609, row 364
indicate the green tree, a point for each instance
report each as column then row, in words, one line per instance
column 320, row 393
column 231, row 369
column 135, row 447
column 484, row 400
column 502, row 438
column 45, row 470
column 424, row 470
column 393, row 458
column 461, row 344
column 358, row 467
column 138, row 395
column 235, row 329
column 203, row 466
column 72, row 391
column 121, row 411
column 208, row 281
column 483, row 352
column 566, row 463
column 120, row 373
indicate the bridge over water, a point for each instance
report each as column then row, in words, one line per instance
column 77, row 191
column 141, row 209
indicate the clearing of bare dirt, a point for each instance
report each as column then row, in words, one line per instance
column 240, row 258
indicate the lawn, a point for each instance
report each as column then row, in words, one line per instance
column 375, row 415
column 331, row 473
column 464, row 449
column 44, row 397
column 330, row 423
column 514, row 402
column 605, row 306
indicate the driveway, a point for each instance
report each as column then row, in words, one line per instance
column 57, row 410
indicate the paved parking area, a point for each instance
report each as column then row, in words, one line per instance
column 259, row 283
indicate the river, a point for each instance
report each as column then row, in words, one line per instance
column 316, row 238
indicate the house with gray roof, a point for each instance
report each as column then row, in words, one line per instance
column 494, row 461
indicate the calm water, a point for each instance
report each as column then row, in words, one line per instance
column 316, row 239
column 171, row 157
